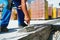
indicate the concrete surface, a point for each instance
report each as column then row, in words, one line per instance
column 13, row 33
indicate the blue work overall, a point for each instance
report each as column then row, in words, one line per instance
column 19, row 12
column 5, row 16
column 6, row 13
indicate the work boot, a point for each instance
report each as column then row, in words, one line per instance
column 4, row 29
column 23, row 25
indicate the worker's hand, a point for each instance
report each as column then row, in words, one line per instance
column 27, row 19
column 19, row 7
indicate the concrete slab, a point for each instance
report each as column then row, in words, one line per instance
column 13, row 30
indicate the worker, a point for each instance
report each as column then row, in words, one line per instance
column 22, row 12
column 6, row 13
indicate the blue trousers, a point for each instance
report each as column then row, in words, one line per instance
column 20, row 12
column 7, row 13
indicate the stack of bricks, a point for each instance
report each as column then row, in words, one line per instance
column 50, row 11
column 58, row 12
column 39, row 9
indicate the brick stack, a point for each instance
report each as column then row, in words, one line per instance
column 58, row 12
column 50, row 11
column 39, row 9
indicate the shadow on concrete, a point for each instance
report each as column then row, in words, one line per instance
column 51, row 35
column 10, row 30
column 55, row 29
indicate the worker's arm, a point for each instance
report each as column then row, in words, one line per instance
column 24, row 9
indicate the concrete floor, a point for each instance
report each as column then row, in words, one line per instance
column 13, row 33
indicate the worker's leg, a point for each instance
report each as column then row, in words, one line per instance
column 5, row 20
column 21, row 18
column 20, row 13
column 5, row 16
